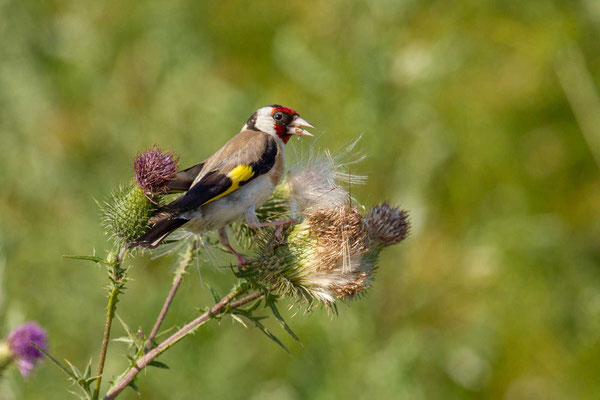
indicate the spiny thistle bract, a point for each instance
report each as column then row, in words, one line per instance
column 126, row 214
column 387, row 225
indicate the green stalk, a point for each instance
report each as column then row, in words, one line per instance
column 118, row 277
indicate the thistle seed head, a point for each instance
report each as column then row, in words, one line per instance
column 154, row 169
column 332, row 253
column 340, row 233
column 325, row 258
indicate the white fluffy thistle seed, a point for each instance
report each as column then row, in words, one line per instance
column 319, row 180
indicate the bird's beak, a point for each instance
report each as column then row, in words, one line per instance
column 297, row 125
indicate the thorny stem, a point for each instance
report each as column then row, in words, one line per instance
column 179, row 273
column 224, row 304
column 117, row 279
column 246, row 299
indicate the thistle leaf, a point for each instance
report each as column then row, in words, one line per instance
column 134, row 387
column 256, row 321
column 239, row 320
column 94, row 259
column 135, row 340
column 76, row 372
column 264, row 330
column 214, row 294
column 88, row 370
column 158, row 364
column 279, row 318
column 56, row 362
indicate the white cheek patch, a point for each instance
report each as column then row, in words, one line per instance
column 264, row 121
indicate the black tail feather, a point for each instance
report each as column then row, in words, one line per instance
column 158, row 233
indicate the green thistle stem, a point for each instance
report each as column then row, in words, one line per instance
column 118, row 277
column 223, row 306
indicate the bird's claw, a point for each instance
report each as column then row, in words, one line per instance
column 279, row 230
column 243, row 263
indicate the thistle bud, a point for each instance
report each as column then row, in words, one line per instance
column 126, row 214
column 387, row 225
column 154, row 169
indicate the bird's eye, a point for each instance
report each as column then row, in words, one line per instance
column 278, row 116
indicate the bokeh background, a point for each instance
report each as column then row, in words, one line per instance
column 480, row 117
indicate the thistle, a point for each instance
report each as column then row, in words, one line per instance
column 19, row 347
column 332, row 253
column 329, row 256
column 154, row 169
column 126, row 214
column 387, row 225
column 128, row 211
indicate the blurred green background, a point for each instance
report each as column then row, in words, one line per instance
column 480, row 117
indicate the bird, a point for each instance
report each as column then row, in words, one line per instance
column 232, row 183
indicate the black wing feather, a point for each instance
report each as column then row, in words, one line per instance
column 158, row 233
column 184, row 179
column 211, row 185
column 267, row 160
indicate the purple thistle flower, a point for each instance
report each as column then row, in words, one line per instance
column 154, row 169
column 19, row 342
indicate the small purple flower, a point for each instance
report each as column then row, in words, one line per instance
column 20, row 340
column 154, row 169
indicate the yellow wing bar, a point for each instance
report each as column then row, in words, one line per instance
column 239, row 174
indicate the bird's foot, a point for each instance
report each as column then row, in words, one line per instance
column 243, row 262
column 281, row 225
column 278, row 224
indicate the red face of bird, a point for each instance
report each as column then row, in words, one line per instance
column 279, row 121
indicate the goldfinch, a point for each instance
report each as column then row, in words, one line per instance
column 231, row 183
